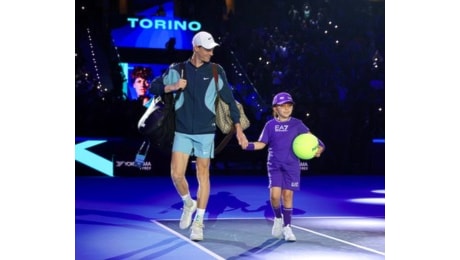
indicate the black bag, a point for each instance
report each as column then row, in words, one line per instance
column 158, row 122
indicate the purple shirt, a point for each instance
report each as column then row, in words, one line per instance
column 279, row 137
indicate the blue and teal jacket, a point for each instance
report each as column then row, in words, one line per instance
column 195, row 105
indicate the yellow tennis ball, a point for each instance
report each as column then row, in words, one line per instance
column 305, row 146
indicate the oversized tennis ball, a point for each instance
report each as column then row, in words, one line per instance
column 305, row 146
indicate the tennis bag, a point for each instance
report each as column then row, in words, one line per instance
column 158, row 122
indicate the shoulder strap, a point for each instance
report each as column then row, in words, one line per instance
column 214, row 73
column 216, row 78
column 182, row 69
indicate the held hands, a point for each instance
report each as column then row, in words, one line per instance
column 241, row 137
column 242, row 140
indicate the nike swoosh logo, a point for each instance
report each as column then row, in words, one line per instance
column 205, row 78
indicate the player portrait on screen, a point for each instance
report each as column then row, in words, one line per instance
column 139, row 84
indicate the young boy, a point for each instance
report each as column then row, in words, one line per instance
column 283, row 165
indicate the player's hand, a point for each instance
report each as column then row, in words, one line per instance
column 242, row 140
column 181, row 84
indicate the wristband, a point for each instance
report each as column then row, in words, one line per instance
column 250, row 147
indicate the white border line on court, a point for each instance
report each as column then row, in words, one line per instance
column 340, row 217
column 271, row 219
column 339, row 240
column 295, row 226
column 195, row 244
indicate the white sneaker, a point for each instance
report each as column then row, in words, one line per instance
column 186, row 218
column 197, row 231
column 288, row 235
column 277, row 229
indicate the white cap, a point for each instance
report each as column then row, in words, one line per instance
column 204, row 39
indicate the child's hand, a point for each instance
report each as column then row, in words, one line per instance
column 320, row 150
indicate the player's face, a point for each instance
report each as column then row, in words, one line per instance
column 204, row 54
column 141, row 85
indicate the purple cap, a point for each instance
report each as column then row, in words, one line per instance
column 282, row 98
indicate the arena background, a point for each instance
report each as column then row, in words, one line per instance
column 328, row 54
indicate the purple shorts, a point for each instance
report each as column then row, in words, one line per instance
column 283, row 175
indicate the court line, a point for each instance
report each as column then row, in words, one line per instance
column 295, row 226
column 195, row 244
column 341, row 217
column 339, row 240
column 294, row 217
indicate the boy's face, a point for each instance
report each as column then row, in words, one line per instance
column 284, row 110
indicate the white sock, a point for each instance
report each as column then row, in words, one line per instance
column 199, row 215
column 187, row 199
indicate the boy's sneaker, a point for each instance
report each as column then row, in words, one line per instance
column 277, row 229
column 186, row 218
column 288, row 235
column 197, row 231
